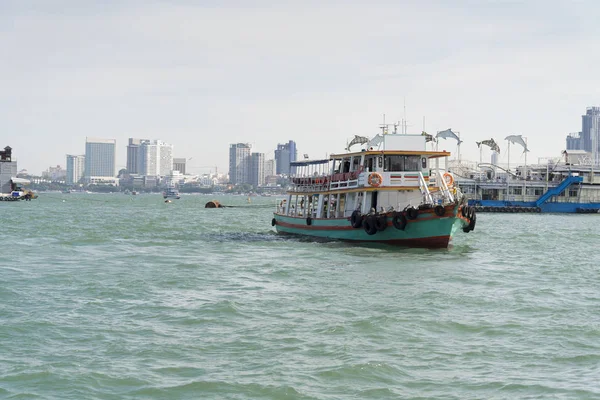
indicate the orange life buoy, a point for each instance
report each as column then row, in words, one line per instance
column 375, row 179
column 449, row 179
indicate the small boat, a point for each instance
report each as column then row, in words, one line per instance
column 391, row 191
column 171, row 193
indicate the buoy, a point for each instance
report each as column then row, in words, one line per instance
column 213, row 204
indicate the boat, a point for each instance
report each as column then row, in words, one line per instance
column 171, row 193
column 391, row 191
column 17, row 192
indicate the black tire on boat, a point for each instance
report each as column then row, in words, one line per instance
column 356, row 219
column 273, row 222
column 308, row 220
column 381, row 222
column 439, row 211
column 412, row 213
column 538, row 209
column 369, row 225
column 472, row 221
column 399, row 221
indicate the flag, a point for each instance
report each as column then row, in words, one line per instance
column 428, row 137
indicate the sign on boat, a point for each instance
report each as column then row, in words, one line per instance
column 392, row 191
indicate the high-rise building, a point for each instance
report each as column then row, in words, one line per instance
column 179, row 165
column 133, row 155
column 574, row 141
column 590, row 132
column 156, row 158
column 239, row 163
column 75, row 169
column 165, row 156
column 284, row 155
column 100, row 160
column 269, row 167
column 257, row 169
column 589, row 138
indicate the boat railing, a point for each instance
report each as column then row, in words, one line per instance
column 444, row 192
column 424, row 186
column 345, row 180
column 336, row 181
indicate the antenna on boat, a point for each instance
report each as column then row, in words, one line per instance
column 404, row 120
column 383, row 126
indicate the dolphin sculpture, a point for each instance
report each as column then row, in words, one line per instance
column 518, row 139
column 448, row 134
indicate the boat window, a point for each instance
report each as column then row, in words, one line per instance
column 423, row 162
column 403, row 163
column 369, row 163
column 346, row 164
column 355, row 163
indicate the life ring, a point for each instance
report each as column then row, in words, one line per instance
column 412, row 213
column 381, row 222
column 375, row 179
column 356, row 219
column 370, row 225
column 439, row 210
column 449, row 179
column 399, row 221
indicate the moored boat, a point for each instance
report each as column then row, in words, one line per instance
column 391, row 191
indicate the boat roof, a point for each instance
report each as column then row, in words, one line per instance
column 20, row 180
column 429, row 154
column 308, row 162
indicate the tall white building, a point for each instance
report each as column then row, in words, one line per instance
column 75, row 168
column 156, row 158
column 100, row 160
column 165, row 155
column 257, row 169
column 239, row 163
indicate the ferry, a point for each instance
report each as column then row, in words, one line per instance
column 171, row 193
column 391, row 191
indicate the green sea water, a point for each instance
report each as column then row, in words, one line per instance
column 128, row 297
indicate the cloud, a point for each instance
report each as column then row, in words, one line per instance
column 199, row 73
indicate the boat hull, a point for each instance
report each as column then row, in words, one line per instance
column 427, row 230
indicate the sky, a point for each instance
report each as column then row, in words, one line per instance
column 202, row 75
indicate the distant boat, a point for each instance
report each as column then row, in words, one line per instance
column 171, row 193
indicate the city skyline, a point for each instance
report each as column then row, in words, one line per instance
column 485, row 69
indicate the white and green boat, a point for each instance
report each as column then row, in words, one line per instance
column 391, row 191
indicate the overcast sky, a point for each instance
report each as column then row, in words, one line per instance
column 204, row 74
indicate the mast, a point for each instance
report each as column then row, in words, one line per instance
column 508, row 163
